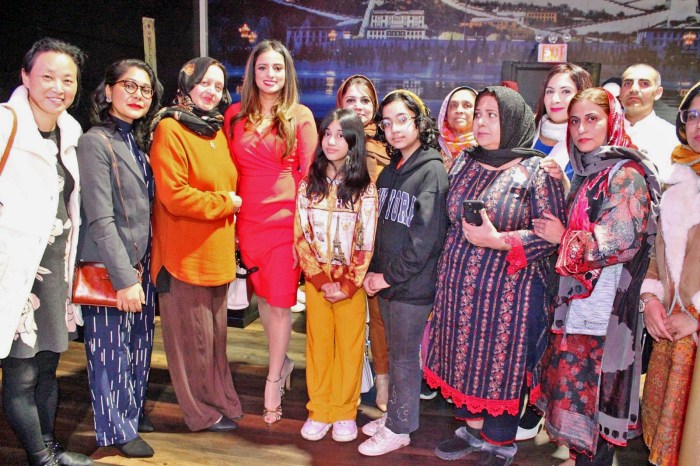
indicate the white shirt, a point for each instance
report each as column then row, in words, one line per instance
column 656, row 138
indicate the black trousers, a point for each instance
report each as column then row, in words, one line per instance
column 30, row 397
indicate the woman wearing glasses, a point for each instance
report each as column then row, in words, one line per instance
column 671, row 293
column 410, row 232
column 117, row 190
column 194, row 244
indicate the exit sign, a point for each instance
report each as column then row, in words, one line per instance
column 551, row 53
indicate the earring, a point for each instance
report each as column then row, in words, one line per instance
column 109, row 100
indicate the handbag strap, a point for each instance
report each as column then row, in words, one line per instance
column 10, row 140
column 115, row 166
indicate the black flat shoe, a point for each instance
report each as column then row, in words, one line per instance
column 145, row 424
column 224, row 425
column 136, row 448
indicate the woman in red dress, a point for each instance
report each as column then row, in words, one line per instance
column 272, row 138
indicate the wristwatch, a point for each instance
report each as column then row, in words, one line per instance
column 643, row 301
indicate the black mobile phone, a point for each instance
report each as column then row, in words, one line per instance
column 471, row 211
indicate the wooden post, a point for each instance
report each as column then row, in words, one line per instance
column 690, row 444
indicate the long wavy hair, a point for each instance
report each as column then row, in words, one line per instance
column 580, row 77
column 283, row 110
column 354, row 175
column 100, row 108
column 427, row 127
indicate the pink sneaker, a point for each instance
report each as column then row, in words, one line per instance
column 371, row 427
column 384, row 441
column 314, row 430
column 344, row 431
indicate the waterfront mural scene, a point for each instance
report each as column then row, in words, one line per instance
column 431, row 46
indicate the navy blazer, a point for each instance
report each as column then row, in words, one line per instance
column 105, row 235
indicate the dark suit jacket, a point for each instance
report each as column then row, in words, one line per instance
column 105, row 235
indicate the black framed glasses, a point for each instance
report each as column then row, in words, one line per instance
column 689, row 116
column 131, row 87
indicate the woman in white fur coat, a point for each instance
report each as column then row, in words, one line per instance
column 670, row 294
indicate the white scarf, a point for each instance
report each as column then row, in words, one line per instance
column 551, row 130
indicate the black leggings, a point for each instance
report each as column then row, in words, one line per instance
column 30, row 397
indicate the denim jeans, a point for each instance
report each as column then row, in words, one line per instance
column 404, row 324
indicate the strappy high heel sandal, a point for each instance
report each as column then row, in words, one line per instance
column 286, row 375
column 271, row 416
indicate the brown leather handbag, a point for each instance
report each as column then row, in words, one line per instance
column 91, row 283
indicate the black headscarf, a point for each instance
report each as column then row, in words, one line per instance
column 185, row 111
column 517, row 129
column 685, row 105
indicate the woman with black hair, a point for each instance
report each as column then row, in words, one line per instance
column 489, row 321
column 410, row 233
column 117, row 186
column 39, row 220
column 335, row 221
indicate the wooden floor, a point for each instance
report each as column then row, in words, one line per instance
column 254, row 443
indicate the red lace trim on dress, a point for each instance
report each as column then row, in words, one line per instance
column 516, row 256
column 473, row 404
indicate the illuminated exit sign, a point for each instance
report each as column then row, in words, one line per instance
column 551, row 53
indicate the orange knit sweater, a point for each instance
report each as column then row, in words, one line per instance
column 193, row 231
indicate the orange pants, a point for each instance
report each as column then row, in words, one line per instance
column 377, row 338
column 335, row 335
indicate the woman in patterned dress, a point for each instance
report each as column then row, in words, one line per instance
column 489, row 318
column 591, row 369
column 39, row 220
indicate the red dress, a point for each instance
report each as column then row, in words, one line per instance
column 268, row 183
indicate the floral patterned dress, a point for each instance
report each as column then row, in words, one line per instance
column 490, row 315
column 590, row 383
column 44, row 313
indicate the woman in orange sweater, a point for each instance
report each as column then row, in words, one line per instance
column 193, row 244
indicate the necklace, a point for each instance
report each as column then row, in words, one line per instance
column 211, row 143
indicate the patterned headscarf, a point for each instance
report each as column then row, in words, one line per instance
column 204, row 123
column 684, row 154
column 517, row 129
column 452, row 144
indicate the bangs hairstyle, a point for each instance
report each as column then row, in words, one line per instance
column 354, row 174
column 427, row 128
column 100, row 108
column 283, row 109
column 580, row 77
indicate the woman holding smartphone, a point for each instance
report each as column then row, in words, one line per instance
column 490, row 312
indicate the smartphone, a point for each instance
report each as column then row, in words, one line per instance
column 471, row 211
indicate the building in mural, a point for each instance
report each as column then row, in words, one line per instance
column 408, row 24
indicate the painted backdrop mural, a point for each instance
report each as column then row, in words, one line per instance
column 430, row 46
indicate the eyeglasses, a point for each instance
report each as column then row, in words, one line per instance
column 689, row 116
column 131, row 87
column 401, row 122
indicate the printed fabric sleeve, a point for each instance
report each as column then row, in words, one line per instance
column 170, row 164
column 303, row 238
column 616, row 235
column 546, row 196
column 307, row 140
column 428, row 207
column 95, row 167
column 365, row 229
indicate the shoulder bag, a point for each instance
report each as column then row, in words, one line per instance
column 91, row 283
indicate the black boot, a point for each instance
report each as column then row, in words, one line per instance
column 145, row 424
column 43, row 458
column 65, row 458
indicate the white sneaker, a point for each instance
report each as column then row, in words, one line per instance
column 301, row 296
column 528, row 434
column 344, row 431
column 371, row 427
column 299, row 307
column 314, row 430
column 384, row 441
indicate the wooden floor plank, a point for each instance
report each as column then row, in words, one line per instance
column 254, row 443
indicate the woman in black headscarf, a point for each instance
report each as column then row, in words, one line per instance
column 490, row 312
column 194, row 245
